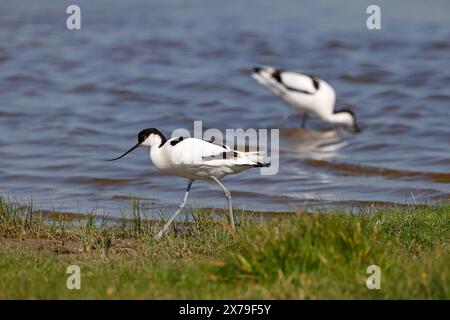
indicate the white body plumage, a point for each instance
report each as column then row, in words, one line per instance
column 197, row 159
column 305, row 93
column 194, row 159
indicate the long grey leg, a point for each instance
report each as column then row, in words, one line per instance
column 286, row 115
column 228, row 195
column 285, row 118
column 174, row 215
column 305, row 117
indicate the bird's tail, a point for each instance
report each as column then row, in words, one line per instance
column 265, row 77
column 255, row 157
column 261, row 165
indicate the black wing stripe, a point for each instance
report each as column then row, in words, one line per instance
column 277, row 76
column 216, row 144
column 297, row 90
column 315, row 81
column 176, row 141
column 221, row 156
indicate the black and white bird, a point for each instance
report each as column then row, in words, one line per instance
column 306, row 93
column 194, row 159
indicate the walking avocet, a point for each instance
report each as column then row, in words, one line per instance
column 306, row 93
column 194, row 159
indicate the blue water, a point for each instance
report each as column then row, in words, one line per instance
column 71, row 98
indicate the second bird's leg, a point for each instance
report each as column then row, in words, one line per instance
column 174, row 215
column 228, row 195
column 284, row 119
column 305, row 117
column 285, row 116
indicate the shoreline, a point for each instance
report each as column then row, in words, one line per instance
column 297, row 256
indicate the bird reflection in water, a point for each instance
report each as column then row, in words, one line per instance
column 317, row 145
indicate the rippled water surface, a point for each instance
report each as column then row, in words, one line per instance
column 70, row 98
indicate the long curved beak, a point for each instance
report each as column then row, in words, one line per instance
column 132, row 148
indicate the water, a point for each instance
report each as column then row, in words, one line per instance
column 70, row 98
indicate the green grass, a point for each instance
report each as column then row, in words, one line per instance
column 305, row 256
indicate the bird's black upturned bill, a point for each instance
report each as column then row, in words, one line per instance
column 132, row 148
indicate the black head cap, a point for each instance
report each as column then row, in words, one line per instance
column 144, row 134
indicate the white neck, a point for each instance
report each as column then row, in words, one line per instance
column 156, row 155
